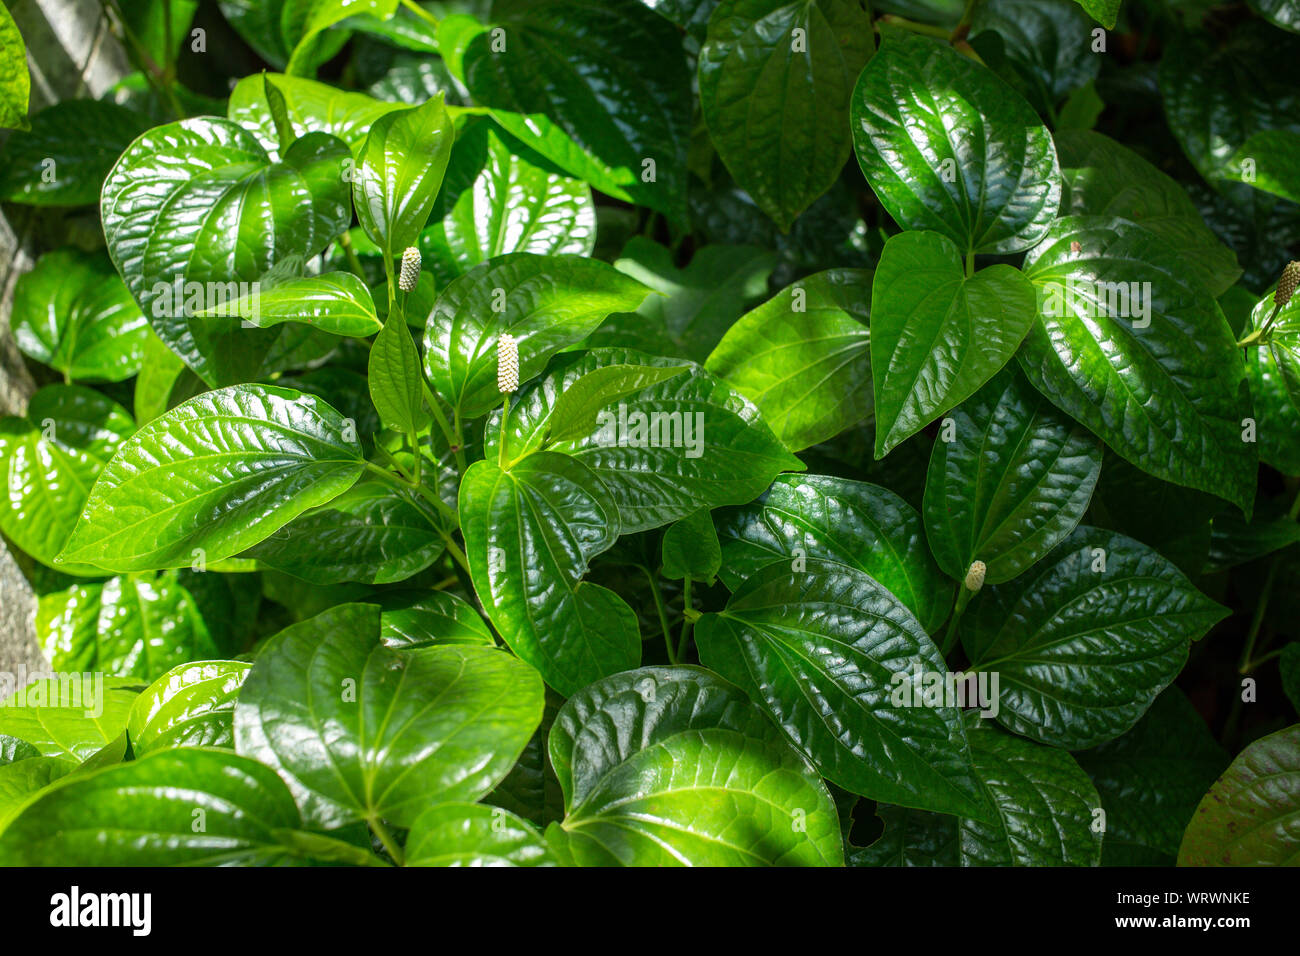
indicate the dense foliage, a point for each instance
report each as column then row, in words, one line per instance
column 643, row 432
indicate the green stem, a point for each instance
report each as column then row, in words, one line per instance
column 963, row 25
column 970, row 263
column 1246, row 665
column 389, row 842
column 663, row 615
column 419, row 11
column 1262, row 331
column 687, row 607
column 153, row 75
column 912, row 26
column 414, row 439
column 503, row 459
column 353, row 262
column 950, row 638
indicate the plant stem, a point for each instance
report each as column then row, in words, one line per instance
column 912, row 26
column 389, row 842
column 503, row 460
column 967, row 17
column 970, row 263
column 419, row 11
column 950, row 638
column 1262, row 331
column 687, row 607
column 353, row 262
column 1246, row 665
column 663, row 614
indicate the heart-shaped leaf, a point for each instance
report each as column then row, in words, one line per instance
column 804, row 357
column 216, row 475
column 1084, row 642
column 310, row 107
column 825, row 652
column 691, row 549
column 530, row 533
column 657, row 766
column 473, row 834
column 192, row 705
column 545, row 302
column 396, row 380
column 335, row 302
column 938, row 333
column 578, row 407
column 362, row 731
column 949, row 147
column 826, row 519
column 193, row 209
column 1011, row 481
column 52, row 458
column 775, row 80
column 1126, row 342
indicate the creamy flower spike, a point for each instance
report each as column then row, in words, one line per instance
column 975, row 576
column 1287, row 284
column 409, row 276
column 507, row 363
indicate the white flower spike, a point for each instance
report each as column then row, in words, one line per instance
column 507, row 363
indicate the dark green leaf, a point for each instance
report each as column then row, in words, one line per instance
column 63, row 159
column 691, row 549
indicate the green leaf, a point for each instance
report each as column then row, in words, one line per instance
column 310, row 20
column 192, row 705
column 1283, row 342
column 687, row 443
column 1044, row 806
column 1268, row 161
column 1235, row 541
column 128, row 626
column 691, row 15
column 275, row 28
column 421, row 618
column 51, row 459
column 949, row 147
column 74, row 314
column 1151, row 779
column 577, row 408
column 826, row 652
column 545, row 302
column 1128, row 343
column 1248, row 817
column 473, row 834
column 72, row 715
column 612, row 76
column 938, row 333
column 15, row 81
column 13, row 750
column 1013, row 481
column 1086, row 640
column 530, row 533
column 63, row 159
column 1103, row 11
column 1102, row 178
column 160, row 371
column 399, row 171
column 1283, row 13
column 499, row 196
column 696, row 305
column 396, row 378
column 310, row 107
column 691, row 549
column 335, row 302
column 217, row 475
column 826, row 519
column 193, row 209
column 659, row 764
column 145, row 813
column 804, row 357
column 1049, row 47
column 370, row 533
column 776, row 101
column 362, row 731
column 20, row 782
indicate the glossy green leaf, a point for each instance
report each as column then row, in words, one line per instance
column 335, row 302
column 775, row 79
column 148, row 813
column 362, row 731
column 1151, row 779
column 530, row 533
column 20, row 782
column 1103, row 11
column 826, row 519
column 396, row 379
column 1235, row 541
column 399, row 171
column 612, row 76
column 499, row 196
column 308, row 21
column 420, row 618
column 311, row 107
column 1102, row 178
column 687, row 443
column 216, row 475
column 949, row 147
column 671, row 766
column 193, row 209
column 161, row 371
column 370, row 533
column 128, row 626
column 827, row 652
column 74, row 314
column 1050, row 47
column 804, row 357
column 691, row 549
column 545, row 302
column 72, row 715
column 1085, row 641
column 1045, row 814
column 13, row 750
column 1015, row 479
column 63, row 159
column 1283, row 13
column 192, row 705
column 938, row 333
column 15, row 81
column 577, row 408
column 1127, row 343
column 473, row 834
column 275, row 28
column 50, row 460
column 1248, row 818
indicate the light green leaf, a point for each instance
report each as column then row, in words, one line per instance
column 473, row 834
column 420, row 618
column 192, row 705
column 577, row 408
column 396, row 378
column 311, row 107
column 73, row 715
column 217, row 475
column 15, row 81
column 335, row 302
column 20, row 782
column 938, row 333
